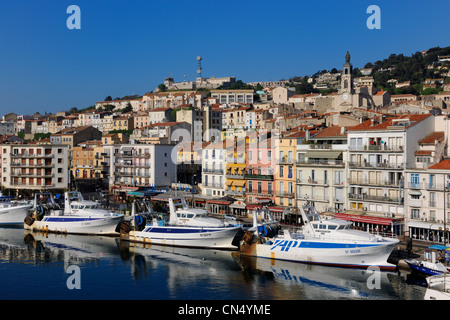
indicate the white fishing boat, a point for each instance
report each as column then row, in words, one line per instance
column 12, row 212
column 438, row 287
column 323, row 241
column 186, row 227
column 79, row 216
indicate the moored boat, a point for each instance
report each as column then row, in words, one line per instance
column 186, row 227
column 426, row 268
column 323, row 241
column 12, row 212
column 438, row 287
column 78, row 216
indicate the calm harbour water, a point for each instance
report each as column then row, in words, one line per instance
column 34, row 265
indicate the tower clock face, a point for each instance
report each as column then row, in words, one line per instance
column 345, row 96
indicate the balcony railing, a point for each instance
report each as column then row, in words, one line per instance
column 217, row 171
column 258, row 176
column 374, row 182
column 380, row 165
column 339, row 163
column 380, row 147
column 364, row 197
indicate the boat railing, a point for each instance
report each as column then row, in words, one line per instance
column 166, row 223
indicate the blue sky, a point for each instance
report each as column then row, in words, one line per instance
column 128, row 47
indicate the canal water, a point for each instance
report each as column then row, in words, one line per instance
column 37, row 266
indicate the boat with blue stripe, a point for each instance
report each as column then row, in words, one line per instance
column 323, row 241
column 186, row 227
column 78, row 216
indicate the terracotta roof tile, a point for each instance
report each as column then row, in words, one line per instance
column 444, row 164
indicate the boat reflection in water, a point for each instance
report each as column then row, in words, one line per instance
column 34, row 266
column 316, row 282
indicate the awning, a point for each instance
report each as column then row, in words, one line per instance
column 323, row 154
column 219, row 202
column 428, row 225
column 238, row 205
column 415, row 192
column 439, row 247
column 367, row 219
column 239, row 183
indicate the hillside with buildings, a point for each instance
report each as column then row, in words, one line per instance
column 355, row 141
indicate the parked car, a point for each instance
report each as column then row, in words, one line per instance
column 229, row 217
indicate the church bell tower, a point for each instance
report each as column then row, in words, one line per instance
column 347, row 78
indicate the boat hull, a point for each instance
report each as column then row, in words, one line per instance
column 423, row 271
column 77, row 225
column 342, row 254
column 14, row 216
column 195, row 237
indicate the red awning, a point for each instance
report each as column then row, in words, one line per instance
column 366, row 219
column 219, row 202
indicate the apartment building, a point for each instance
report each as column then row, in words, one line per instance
column 235, row 161
column 213, row 167
column 285, row 174
column 234, row 118
column 189, row 162
column 34, row 167
column 139, row 165
column 87, row 160
column 260, row 173
column 427, row 182
column 321, row 170
column 243, row 96
column 380, row 150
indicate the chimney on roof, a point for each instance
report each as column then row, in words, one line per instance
column 343, row 130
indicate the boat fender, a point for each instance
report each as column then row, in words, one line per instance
column 140, row 222
column 39, row 213
column 248, row 237
column 29, row 220
column 123, row 227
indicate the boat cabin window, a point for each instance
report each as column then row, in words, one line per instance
column 332, row 227
column 190, row 215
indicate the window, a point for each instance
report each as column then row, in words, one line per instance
column 415, row 214
column 415, row 182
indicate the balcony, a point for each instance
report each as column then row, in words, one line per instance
column 285, row 194
column 324, row 163
column 381, row 147
column 313, row 197
column 216, row 171
column 380, row 165
column 234, row 176
column 261, row 192
column 313, row 181
column 365, row 197
column 429, row 186
column 258, row 176
column 370, row 182
column 235, row 193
